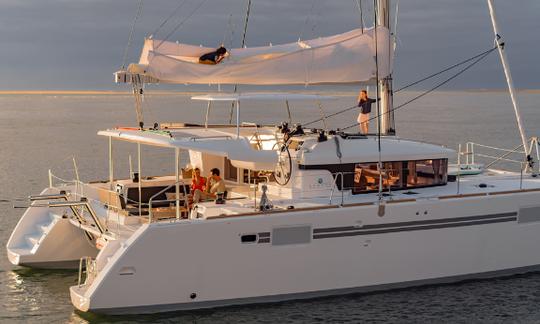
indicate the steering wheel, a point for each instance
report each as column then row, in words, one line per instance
column 282, row 172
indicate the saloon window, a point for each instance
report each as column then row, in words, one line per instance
column 366, row 176
column 426, row 172
column 399, row 175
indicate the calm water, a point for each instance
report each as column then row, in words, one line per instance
column 41, row 132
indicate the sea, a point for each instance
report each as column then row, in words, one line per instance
column 57, row 131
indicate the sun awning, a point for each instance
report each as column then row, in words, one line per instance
column 343, row 58
column 214, row 142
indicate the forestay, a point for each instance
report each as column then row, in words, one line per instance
column 343, row 58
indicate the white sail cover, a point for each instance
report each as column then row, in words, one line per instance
column 343, row 58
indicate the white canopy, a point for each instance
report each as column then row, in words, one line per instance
column 219, row 142
column 343, row 58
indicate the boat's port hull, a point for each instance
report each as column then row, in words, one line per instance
column 203, row 263
column 47, row 240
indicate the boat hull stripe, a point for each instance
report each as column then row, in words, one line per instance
column 416, row 228
column 412, row 223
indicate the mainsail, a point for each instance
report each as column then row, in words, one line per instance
column 343, row 58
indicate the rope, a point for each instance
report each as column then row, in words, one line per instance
column 430, row 90
column 410, row 84
column 181, row 23
column 175, row 11
column 359, row 7
column 379, row 164
column 308, row 17
column 229, row 28
column 446, row 69
column 246, row 21
column 246, row 24
column 131, row 32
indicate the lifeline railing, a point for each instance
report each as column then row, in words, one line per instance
column 471, row 154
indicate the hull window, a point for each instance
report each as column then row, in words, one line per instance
column 248, row 238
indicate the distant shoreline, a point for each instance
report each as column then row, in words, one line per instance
column 184, row 93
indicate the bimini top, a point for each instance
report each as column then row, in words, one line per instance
column 342, row 58
column 260, row 96
column 216, row 141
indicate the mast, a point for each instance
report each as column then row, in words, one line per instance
column 385, row 93
column 500, row 45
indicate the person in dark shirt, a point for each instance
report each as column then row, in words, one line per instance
column 214, row 57
column 364, row 102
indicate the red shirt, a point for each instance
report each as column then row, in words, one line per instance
column 200, row 185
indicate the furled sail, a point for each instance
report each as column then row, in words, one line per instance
column 343, row 58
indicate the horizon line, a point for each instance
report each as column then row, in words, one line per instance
column 173, row 92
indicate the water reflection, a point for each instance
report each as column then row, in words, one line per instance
column 30, row 293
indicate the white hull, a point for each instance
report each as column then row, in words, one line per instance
column 430, row 241
column 45, row 239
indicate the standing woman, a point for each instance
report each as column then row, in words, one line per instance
column 364, row 102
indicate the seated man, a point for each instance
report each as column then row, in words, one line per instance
column 215, row 57
column 214, row 185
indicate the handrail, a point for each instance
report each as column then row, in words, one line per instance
column 176, row 200
column 83, row 203
column 496, row 158
column 340, row 175
column 89, row 268
column 210, row 137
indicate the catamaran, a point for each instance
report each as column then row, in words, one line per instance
column 306, row 212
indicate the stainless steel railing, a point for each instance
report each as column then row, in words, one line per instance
column 89, row 270
column 176, row 200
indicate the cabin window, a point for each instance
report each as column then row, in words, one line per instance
column 426, row 172
column 399, row 175
column 366, row 176
column 231, row 172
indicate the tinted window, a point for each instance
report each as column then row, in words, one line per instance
column 399, row 175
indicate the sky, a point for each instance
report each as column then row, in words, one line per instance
column 78, row 44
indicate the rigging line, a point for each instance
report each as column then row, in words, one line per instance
column 409, row 85
column 446, row 69
column 181, row 23
column 232, row 29
column 174, row 12
column 229, row 28
column 359, row 7
column 430, row 90
column 246, row 21
column 246, row 24
column 331, row 115
column 396, row 20
column 131, row 32
column 379, row 163
column 308, row 17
